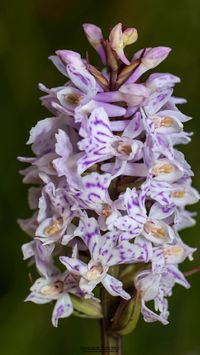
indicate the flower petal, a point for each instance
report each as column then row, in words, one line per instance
column 62, row 309
column 150, row 316
column 114, row 287
column 83, row 80
column 88, row 230
column 36, row 298
column 74, row 265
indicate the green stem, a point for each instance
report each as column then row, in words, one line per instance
column 110, row 344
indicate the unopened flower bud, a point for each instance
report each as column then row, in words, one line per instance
column 111, row 57
column 129, row 36
column 115, row 37
column 88, row 307
column 149, row 58
column 134, row 94
column 70, row 58
column 154, row 56
column 117, row 43
column 127, row 315
column 95, row 37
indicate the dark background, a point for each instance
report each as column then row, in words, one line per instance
column 30, row 31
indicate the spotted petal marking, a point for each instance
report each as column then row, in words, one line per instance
column 89, row 232
column 157, row 100
column 115, row 287
column 82, row 79
column 99, row 140
column 94, row 190
column 150, row 316
column 62, row 309
column 74, row 265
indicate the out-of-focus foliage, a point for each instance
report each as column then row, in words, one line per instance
column 30, row 31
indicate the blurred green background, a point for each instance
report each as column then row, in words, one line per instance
column 30, row 31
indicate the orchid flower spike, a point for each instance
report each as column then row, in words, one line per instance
column 111, row 188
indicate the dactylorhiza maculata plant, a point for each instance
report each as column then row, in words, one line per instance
column 111, row 186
